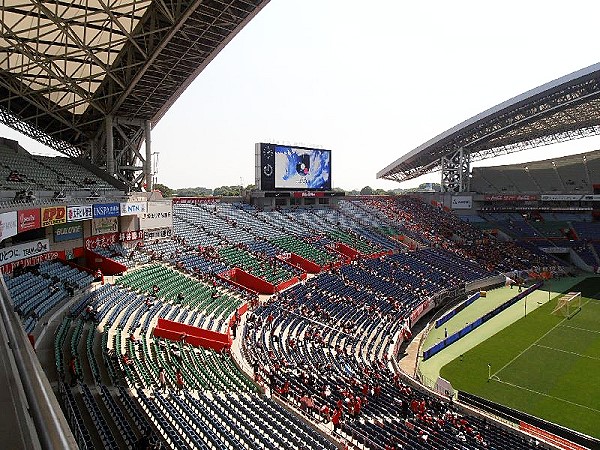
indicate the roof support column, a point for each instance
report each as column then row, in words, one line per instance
column 148, row 161
column 93, row 152
column 456, row 169
column 110, row 155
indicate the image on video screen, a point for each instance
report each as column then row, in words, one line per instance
column 300, row 168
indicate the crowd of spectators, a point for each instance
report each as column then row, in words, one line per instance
column 306, row 346
column 438, row 228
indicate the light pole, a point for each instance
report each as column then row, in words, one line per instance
column 489, row 372
column 155, row 168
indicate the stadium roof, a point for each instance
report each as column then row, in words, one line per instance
column 65, row 65
column 563, row 109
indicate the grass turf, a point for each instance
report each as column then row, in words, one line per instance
column 543, row 364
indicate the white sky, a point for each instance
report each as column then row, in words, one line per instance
column 368, row 80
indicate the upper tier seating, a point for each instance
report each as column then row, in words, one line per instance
column 20, row 170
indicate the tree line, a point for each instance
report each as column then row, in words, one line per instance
column 234, row 191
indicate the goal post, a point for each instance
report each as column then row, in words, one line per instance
column 568, row 304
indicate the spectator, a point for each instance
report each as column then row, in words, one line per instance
column 179, row 380
column 162, row 379
column 73, row 370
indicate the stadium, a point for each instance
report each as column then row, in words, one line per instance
column 292, row 316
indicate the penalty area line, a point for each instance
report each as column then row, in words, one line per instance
column 498, row 380
column 568, row 352
column 533, row 344
column 580, row 329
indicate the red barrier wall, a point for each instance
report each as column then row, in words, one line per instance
column 379, row 254
column 227, row 276
column 258, row 284
column 300, row 262
column 106, row 265
column 288, row 283
column 198, row 337
column 346, row 250
column 549, row 437
column 346, row 258
column 241, row 311
column 247, row 281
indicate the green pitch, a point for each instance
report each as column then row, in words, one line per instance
column 543, row 364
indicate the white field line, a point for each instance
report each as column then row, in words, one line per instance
column 580, row 329
column 534, row 343
column 546, row 395
column 570, row 353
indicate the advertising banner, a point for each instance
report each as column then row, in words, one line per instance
column 53, row 215
column 68, row 232
column 77, row 213
column 462, row 202
column 104, row 240
column 8, row 268
column 195, row 200
column 159, row 233
column 560, row 198
column 591, row 198
column 159, row 215
column 509, row 198
column 21, row 251
column 105, row 225
column 420, row 311
column 308, row 194
column 130, row 209
column 127, row 236
column 28, row 219
column 106, row 210
column 8, row 224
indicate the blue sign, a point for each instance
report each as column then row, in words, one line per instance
column 106, row 210
column 68, row 232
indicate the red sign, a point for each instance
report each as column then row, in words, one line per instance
column 8, row 268
column 101, row 241
column 28, row 219
column 308, row 194
column 195, row 200
column 510, row 198
column 559, row 441
column 54, row 215
column 127, row 236
column 420, row 311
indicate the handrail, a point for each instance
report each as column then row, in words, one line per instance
column 50, row 423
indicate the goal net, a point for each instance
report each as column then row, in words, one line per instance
column 568, row 304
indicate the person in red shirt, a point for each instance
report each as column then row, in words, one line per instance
column 377, row 391
column 357, row 405
column 179, row 380
column 336, row 418
column 126, row 360
column 414, row 405
column 73, row 370
column 365, row 389
column 325, row 412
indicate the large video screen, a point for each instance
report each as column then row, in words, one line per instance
column 293, row 168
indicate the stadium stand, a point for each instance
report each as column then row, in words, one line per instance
column 20, row 170
column 566, row 175
column 40, row 289
column 319, row 351
column 316, row 347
